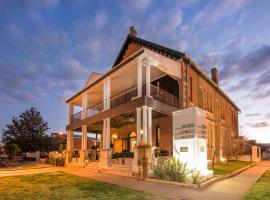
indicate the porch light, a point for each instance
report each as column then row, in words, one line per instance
column 61, row 133
column 141, row 131
column 114, row 136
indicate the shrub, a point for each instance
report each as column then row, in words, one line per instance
column 195, row 176
column 124, row 154
column 75, row 154
column 171, row 169
column 159, row 153
column 55, row 161
column 164, row 153
column 29, row 158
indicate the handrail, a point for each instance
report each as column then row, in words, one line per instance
column 76, row 117
column 126, row 96
column 164, row 96
column 123, row 97
column 94, row 109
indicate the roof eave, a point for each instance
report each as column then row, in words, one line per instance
column 129, row 59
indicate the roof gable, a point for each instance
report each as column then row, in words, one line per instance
column 171, row 53
column 92, row 78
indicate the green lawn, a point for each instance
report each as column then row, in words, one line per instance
column 261, row 189
column 58, row 186
column 223, row 168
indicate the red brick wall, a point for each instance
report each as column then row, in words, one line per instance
column 165, row 124
column 77, row 144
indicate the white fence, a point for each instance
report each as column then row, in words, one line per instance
column 35, row 155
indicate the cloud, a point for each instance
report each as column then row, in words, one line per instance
column 261, row 95
column 34, row 82
column 250, row 63
column 253, row 114
column 264, row 78
column 260, row 125
column 173, row 21
column 218, row 10
column 256, row 61
column 241, row 85
column 137, row 6
column 101, row 18
column 267, row 116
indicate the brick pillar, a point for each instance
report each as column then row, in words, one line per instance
column 68, row 151
column 106, row 150
column 142, row 161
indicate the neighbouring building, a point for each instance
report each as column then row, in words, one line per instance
column 131, row 105
column 61, row 138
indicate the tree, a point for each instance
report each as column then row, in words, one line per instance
column 60, row 148
column 27, row 131
column 240, row 146
column 12, row 150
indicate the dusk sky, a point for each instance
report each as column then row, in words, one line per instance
column 48, row 48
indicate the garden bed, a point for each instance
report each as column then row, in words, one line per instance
column 171, row 171
column 223, row 168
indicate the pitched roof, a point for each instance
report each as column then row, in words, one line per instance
column 171, row 53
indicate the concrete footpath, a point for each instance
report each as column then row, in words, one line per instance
column 233, row 188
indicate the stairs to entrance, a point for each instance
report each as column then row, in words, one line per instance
column 93, row 166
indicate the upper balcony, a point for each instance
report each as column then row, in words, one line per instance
column 138, row 76
column 127, row 96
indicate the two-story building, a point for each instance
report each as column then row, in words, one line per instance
column 131, row 105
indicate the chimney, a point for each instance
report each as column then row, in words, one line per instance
column 214, row 75
column 133, row 31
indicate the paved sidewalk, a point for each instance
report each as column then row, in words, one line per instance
column 26, row 171
column 233, row 188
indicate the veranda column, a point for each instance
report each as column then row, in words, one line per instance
column 69, row 140
column 105, row 94
column 149, row 125
column 138, row 125
column 108, row 134
column 148, row 79
column 108, row 92
column 84, row 105
column 104, row 131
column 84, row 137
column 139, row 78
column 144, row 123
column 70, row 112
column 83, row 151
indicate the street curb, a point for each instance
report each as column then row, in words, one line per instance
column 190, row 185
